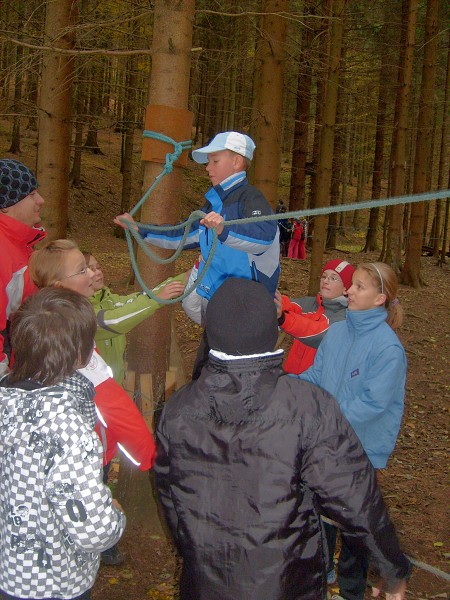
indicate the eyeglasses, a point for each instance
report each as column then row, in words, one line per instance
column 331, row 278
column 82, row 272
column 94, row 267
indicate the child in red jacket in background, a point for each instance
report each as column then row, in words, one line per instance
column 297, row 246
column 307, row 319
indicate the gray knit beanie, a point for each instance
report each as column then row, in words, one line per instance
column 16, row 182
column 241, row 318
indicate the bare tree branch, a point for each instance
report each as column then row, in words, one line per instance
column 80, row 52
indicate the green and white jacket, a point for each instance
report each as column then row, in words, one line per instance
column 116, row 316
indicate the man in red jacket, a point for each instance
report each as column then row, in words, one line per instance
column 20, row 207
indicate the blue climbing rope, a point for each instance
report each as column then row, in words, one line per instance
column 171, row 158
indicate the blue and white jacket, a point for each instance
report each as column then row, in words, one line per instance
column 250, row 251
column 362, row 363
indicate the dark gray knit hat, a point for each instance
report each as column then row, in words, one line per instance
column 16, row 182
column 241, row 318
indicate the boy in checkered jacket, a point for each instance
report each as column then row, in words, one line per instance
column 56, row 515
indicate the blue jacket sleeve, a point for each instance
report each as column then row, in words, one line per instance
column 171, row 239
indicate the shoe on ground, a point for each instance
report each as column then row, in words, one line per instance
column 112, row 557
column 331, row 577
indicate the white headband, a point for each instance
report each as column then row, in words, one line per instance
column 379, row 275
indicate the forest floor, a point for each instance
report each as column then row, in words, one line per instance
column 416, row 482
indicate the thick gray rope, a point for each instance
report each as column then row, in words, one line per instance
column 198, row 214
column 430, row 569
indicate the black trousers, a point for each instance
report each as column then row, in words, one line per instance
column 352, row 566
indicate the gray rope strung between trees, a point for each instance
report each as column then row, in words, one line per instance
column 429, row 568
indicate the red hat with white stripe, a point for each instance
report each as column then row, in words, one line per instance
column 344, row 269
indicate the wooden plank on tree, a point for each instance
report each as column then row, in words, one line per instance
column 147, row 402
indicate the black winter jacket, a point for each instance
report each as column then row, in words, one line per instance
column 247, row 459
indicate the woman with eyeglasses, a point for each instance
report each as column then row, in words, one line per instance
column 120, row 424
column 307, row 319
column 362, row 363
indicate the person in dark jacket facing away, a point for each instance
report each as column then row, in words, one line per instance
column 248, row 457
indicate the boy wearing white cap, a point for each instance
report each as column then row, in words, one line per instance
column 251, row 250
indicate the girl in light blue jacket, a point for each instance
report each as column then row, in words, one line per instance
column 363, row 364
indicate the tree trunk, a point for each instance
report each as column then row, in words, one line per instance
column 411, row 270
column 361, row 176
column 94, row 105
column 91, row 144
column 442, row 258
column 327, row 144
column 442, row 158
column 377, row 172
column 345, row 169
column 322, row 33
column 149, row 345
column 393, row 251
column 129, row 111
column 55, row 111
column 297, row 194
column 338, row 153
column 75, row 174
column 15, row 135
column 269, row 100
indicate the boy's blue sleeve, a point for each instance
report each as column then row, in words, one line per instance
column 171, row 239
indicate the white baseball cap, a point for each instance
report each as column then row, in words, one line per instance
column 229, row 140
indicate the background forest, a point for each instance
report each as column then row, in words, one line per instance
column 347, row 101
column 334, row 92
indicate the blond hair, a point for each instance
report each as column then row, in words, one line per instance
column 47, row 264
column 385, row 279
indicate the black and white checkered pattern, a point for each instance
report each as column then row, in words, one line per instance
column 83, row 390
column 56, row 515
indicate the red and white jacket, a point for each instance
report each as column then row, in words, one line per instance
column 16, row 245
column 120, row 425
column 307, row 319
